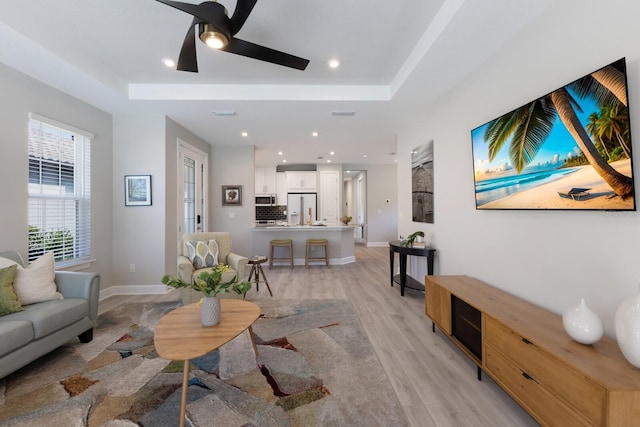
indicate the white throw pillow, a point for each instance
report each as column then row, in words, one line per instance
column 36, row 282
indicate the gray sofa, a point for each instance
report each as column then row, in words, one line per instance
column 42, row 327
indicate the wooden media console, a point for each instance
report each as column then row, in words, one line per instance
column 527, row 352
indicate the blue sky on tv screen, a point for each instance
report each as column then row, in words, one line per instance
column 558, row 146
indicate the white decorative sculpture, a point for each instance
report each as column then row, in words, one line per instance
column 582, row 324
column 627, row 324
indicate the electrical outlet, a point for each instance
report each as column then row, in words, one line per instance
column 132, row 268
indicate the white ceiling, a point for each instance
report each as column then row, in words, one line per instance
column 395, row 56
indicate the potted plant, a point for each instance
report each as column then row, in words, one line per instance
column 413, row 237
column 210, row 284
column 345, row 219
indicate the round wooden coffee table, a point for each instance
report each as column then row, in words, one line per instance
column 180, row 336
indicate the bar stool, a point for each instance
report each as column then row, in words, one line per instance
column 256, row 269
column 283, row 243
column 317, row 242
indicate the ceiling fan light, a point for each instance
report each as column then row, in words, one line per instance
column 213, row 38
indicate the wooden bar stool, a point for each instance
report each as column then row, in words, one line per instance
column 283, row 243
column 317, row 242
column 256, row 269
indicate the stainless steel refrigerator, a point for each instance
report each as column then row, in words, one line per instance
column 298, row 205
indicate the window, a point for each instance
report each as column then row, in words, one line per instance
column 59, row 191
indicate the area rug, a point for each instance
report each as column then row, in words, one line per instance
column 315, row 367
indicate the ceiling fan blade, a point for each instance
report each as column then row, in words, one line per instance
column 188, row 60
column 240, row 15
column 251, row 50
column 207, row 11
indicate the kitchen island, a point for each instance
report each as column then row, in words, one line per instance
column 340, row 237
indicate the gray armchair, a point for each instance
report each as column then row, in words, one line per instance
column 186, row 270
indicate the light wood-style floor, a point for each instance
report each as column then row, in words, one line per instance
column 434, row 381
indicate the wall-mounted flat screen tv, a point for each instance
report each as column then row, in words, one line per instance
column 568, row 149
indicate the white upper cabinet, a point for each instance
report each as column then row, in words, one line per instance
column 282, row 188
column 301, row 181
column 266, row 181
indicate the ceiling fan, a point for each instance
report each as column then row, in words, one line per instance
column 218, row 31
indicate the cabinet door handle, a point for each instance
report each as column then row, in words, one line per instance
column 526, row 341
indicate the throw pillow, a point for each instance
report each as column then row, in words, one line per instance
column 36, row 282
column 202, row 254
column 6, row 262
column 8, row 299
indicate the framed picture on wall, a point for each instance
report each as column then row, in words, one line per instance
column 232, row 195
column 422, row 183
column 137, row 190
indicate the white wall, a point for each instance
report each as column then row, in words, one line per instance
column 139, row 231
column 21, row 95
column 551, row 258
column 234, row 165
column 382, row 217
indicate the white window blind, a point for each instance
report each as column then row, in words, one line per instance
column 59, row 191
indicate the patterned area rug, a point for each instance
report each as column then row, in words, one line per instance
column 315, row 367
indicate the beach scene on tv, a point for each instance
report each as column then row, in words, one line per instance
column 569, row 149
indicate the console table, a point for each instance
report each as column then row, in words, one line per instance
column 405, row 280
column 526, row 350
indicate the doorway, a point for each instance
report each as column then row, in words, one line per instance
column 192, row 189
column 355, row 202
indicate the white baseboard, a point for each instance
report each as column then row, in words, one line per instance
column 134, row 290
column 377, row 244
column 332, row 261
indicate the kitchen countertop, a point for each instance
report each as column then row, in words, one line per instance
column 302, row 227
column 340, row 238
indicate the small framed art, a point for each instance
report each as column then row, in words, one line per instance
column 137, row 190
column 232, row 195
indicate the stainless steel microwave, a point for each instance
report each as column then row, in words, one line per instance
column 265, row 199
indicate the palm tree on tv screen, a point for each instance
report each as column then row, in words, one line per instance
column 530, row 125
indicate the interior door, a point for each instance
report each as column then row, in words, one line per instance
column 192, row 189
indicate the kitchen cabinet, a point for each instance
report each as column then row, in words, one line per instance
column 329, row 196
column 301, row 181
column 281, row 188
column 265, row 181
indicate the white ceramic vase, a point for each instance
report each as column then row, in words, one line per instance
column 210, row 311
column 582, row 324
column 627, row 325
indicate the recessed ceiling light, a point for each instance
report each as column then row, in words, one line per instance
column 169, row 62
column 280, row 153
column 314, row 134
column 284, row 161
column 334, row 63
column 328, row 160
column 224, row 113
column 245, row 134
column 332, row 153
column 364, row 155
